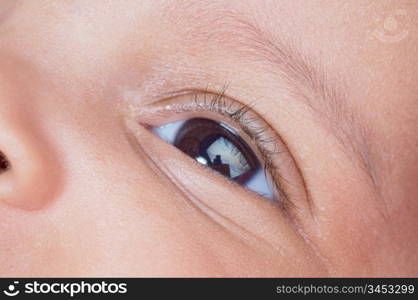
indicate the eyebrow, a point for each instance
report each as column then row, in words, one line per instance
column 305, row 77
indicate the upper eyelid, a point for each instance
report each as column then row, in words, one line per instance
column 218, row 103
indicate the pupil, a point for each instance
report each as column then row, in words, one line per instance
column 217, row 147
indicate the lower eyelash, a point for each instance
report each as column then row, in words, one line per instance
column 254, row 127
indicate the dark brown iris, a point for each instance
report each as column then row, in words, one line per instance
column 195, row 137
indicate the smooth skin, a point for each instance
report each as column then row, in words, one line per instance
column 91, row 192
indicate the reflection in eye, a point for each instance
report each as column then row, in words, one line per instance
column 217, row 146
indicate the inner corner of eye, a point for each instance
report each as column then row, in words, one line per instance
column 219, row 147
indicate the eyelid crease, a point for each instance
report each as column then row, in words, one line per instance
column 249, row 122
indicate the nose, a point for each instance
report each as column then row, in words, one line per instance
column 26, row 163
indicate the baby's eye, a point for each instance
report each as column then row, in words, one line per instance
column 219, row 147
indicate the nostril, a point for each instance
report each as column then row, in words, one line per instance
column 4, row 163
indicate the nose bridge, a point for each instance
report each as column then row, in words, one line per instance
column 24, row 184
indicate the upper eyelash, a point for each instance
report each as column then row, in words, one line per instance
column 267, row 144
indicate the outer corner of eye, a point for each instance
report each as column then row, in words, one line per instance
column 219, row 147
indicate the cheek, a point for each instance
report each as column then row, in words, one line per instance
column 114, row 236
column 116, row 216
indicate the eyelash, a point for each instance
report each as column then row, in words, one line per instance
column 264, row 138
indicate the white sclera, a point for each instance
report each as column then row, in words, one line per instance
column 169, row 131
column 257, row 183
